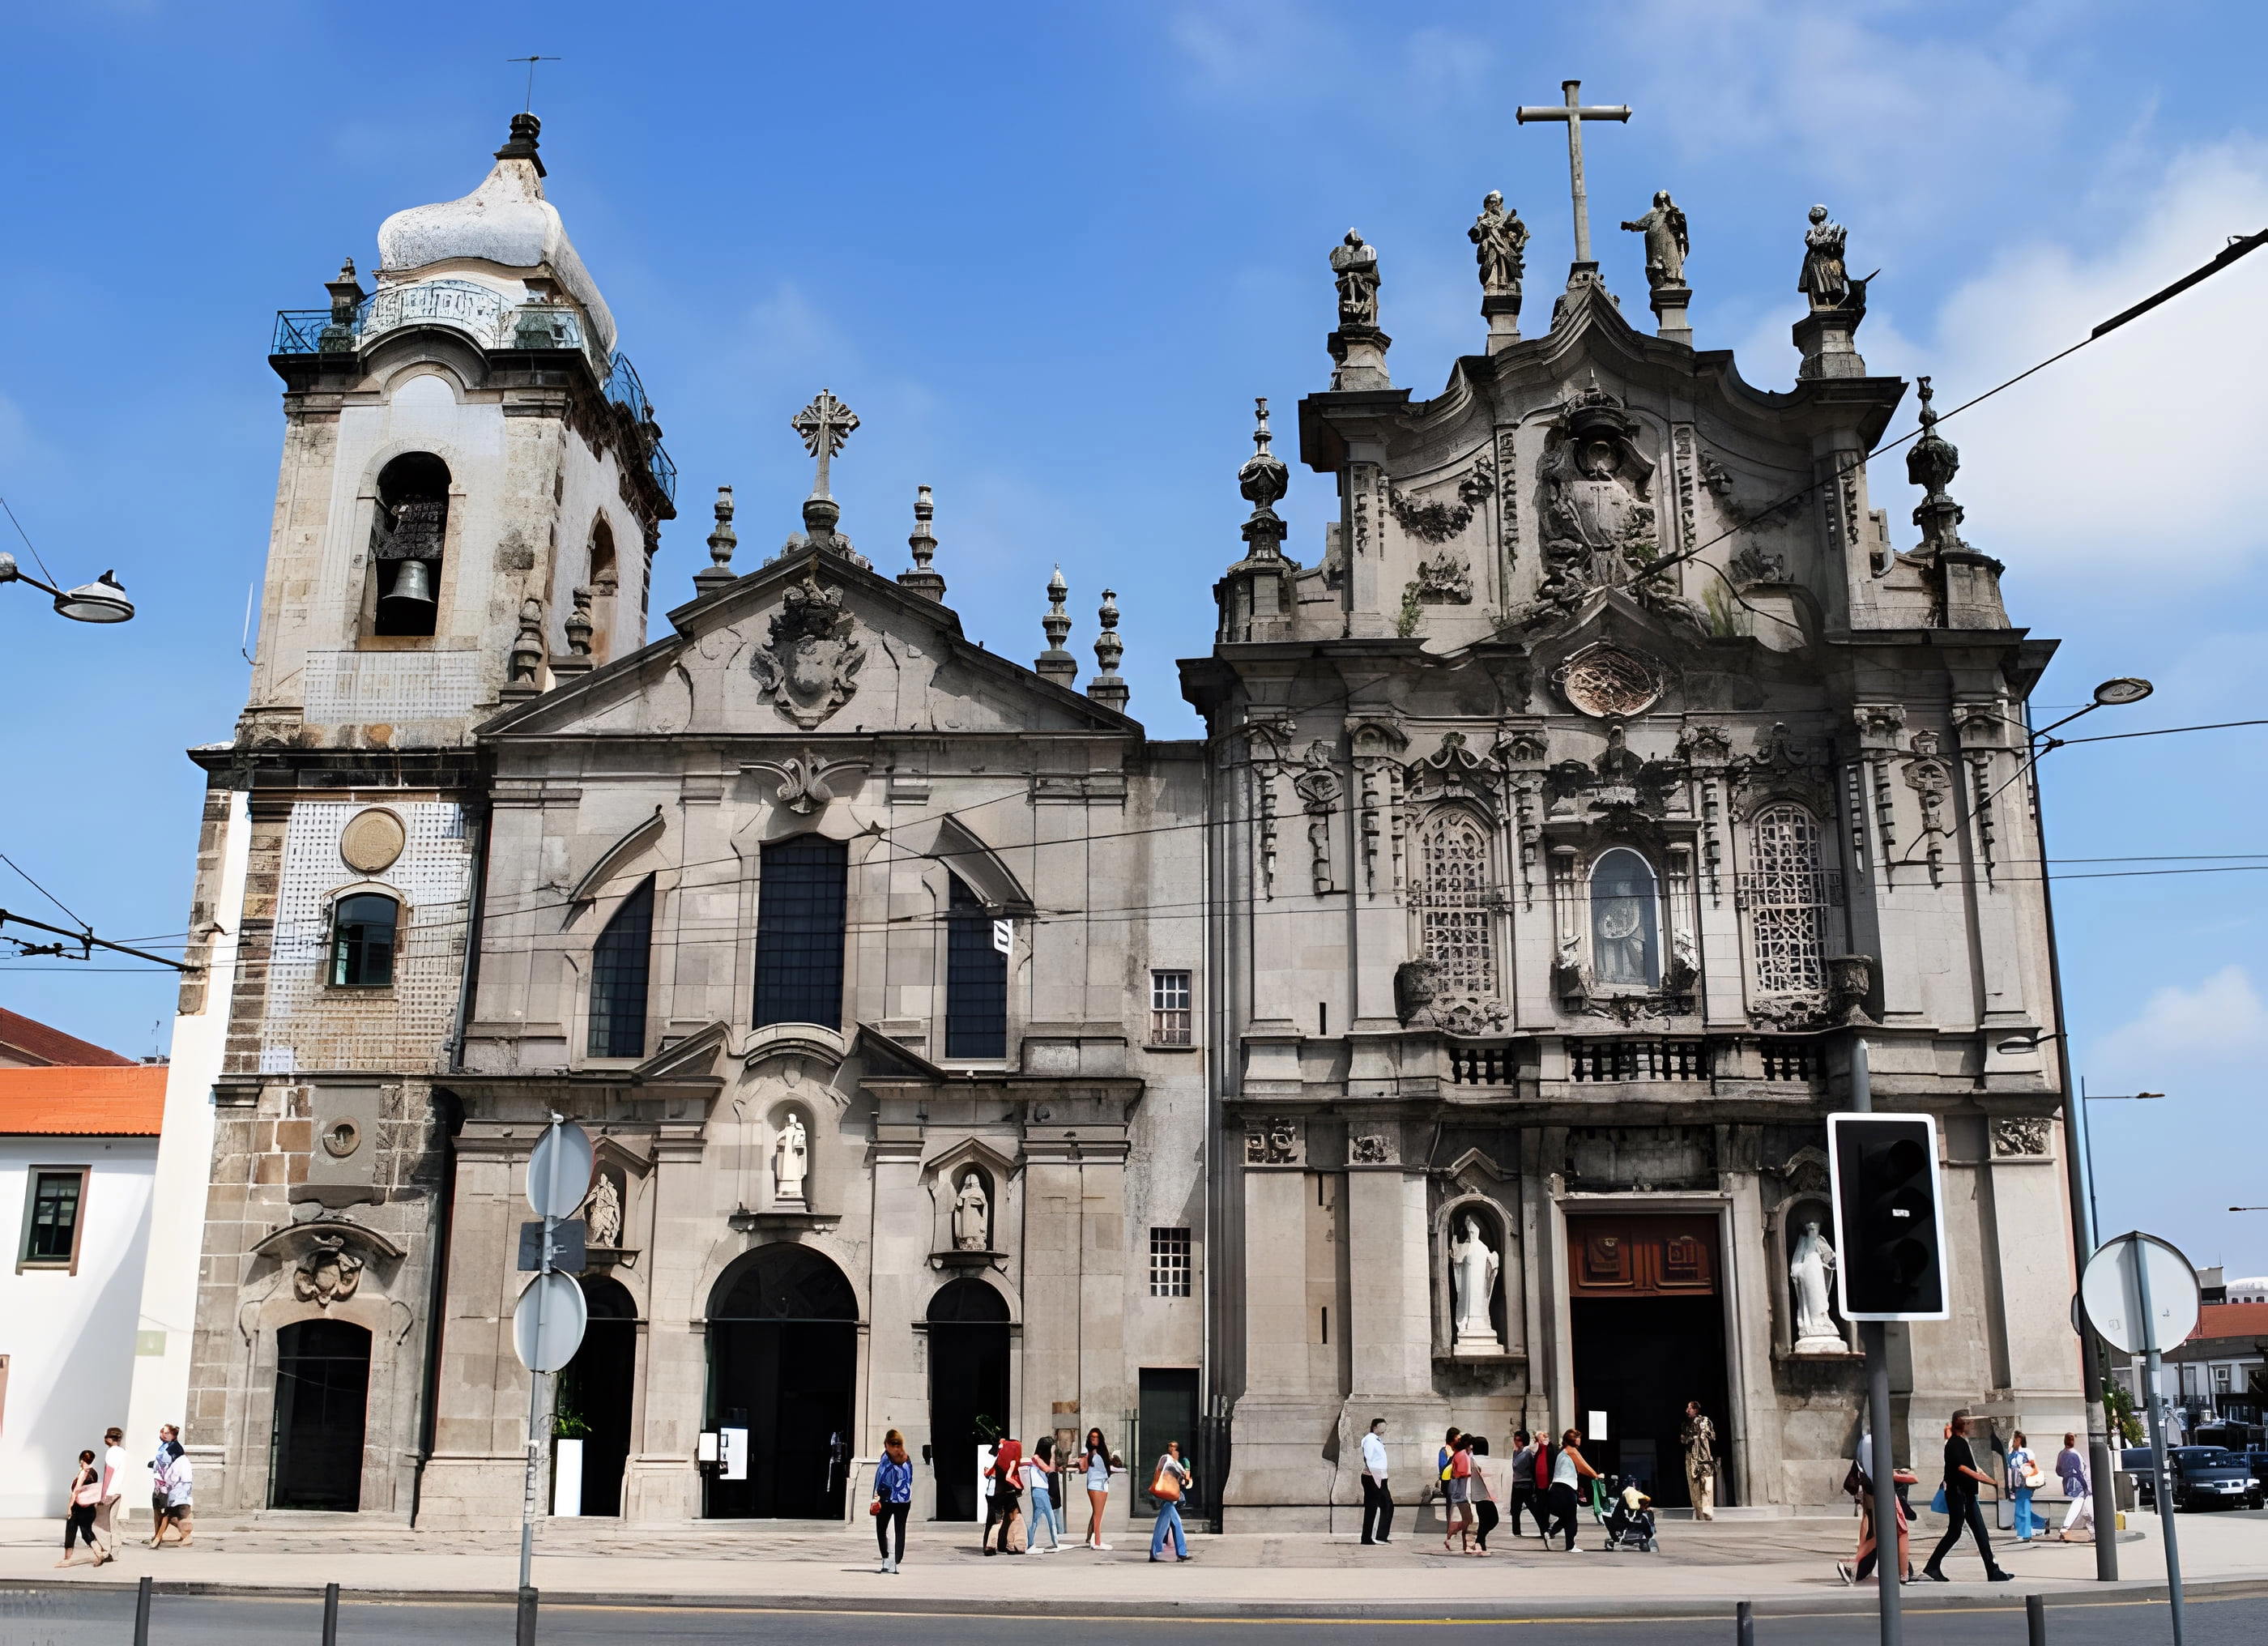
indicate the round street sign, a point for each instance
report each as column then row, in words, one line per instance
column 2111, row 1292
column 559, row 1170
column 551, row 1344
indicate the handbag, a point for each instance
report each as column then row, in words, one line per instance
column 875, row 1507
column 1166, row 1488
column 2033, row 1478
column 88, row 1495
column 1937, row 1504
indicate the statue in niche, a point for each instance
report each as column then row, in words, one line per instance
column 1666, row 240
column 1473, row 1267
column 1811, row 1278
column 1355, row 262
column 1824, row 280
column 603, row 1215
column 790, row 1161
column 1499, row 246
column 971, row 1216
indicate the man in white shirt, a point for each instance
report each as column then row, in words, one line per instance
column 1377, row 1501
column 117, row 1468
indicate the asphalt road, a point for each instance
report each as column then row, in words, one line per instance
column 53, row 1618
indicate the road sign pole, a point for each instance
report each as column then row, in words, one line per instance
column 1882, row 1478
column 2162, row 1485
column 535, row 1378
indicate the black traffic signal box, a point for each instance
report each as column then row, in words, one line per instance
column 1889, row 1227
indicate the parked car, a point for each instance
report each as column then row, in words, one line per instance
column 2203, row 1477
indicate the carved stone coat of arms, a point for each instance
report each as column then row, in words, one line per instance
column 810, row 667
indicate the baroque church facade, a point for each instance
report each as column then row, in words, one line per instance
column 1444, row 1036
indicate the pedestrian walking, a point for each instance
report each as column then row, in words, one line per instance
column 1168, row 1484
column 1039, row 1470
column 1377, row 1497
column 1861, row 1483
column 1531, row 1483
column 79, row 1503
column 2024, row 1479
column 1569, row 1469
column 894, row 1499
column 117, row 1466
column 1098, row 1465
column 2071, row 1469
column 1700, row 1438
column 1962, row 1477
column 1005, row 1471
column 169, row 1446
column 1457, row 1490
column 172, row 1481
column 1485, row 1486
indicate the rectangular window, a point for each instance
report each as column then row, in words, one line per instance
column 976, row 979
column 799, row 897
column 1169, row 1263
column 620, row 963
column 1169, row 1008
column 52, row 1216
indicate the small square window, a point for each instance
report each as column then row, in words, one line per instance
column 1169, row 1008
column 1170, row 1260
column 52, row 1217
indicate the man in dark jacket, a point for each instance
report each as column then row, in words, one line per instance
column 1962, row 1477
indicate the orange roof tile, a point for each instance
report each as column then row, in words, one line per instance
column 127, row 1101
column 2231, row 1320
column 41, row 1043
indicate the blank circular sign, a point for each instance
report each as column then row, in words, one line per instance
column 559, row 1170
column 2111, row 1293
column 371, row 841
column 549, row 1342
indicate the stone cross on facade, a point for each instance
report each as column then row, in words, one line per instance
column 825, row 424
column 1575, row 111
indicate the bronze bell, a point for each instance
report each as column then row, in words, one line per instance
column 412, row 592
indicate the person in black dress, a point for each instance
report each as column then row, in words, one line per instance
column 1962, row 1477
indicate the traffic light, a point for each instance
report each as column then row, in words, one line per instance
column 1889, row 1222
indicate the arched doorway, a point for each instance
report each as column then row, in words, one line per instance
column 967, row 1380
column 597, row 1386
column 323, row 1392
column 782, row 1364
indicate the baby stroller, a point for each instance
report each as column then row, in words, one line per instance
column 1629, row 1518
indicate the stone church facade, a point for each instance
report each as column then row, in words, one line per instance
column 1443, row 1037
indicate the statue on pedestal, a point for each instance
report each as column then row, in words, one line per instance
column 1666, row 240
column 1355, row 262
column 790, row 1161
column 1811, row 1278
column 1473, row 1267
column 1499, row 246
column 604, row 1215
column 1824, row 279
column 971, row 1216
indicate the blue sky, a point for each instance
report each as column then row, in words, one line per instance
column 1050, row 253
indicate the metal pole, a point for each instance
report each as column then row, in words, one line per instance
column 2036, row 1620
column 142, row 1612
column 534, row 1409
column 1744, row 1624
column 524, row 1624
column 330, row 1614
column 2159, row 1482
column 1888, row 1570
column 2086, row 1140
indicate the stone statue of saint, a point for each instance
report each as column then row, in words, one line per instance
column 603, row 1217
column 1473, row 1265
column 1811, row 1278
column 1823, row 279
column 791, row 1161
column 1665, row 241
column 1499, row 246
column 971, row 1216
column 1355, row 262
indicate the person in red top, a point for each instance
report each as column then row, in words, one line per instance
column 1007, row 1474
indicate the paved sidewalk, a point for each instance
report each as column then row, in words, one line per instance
column 1785, row 1564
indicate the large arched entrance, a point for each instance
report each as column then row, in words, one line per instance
column 784, row 1365
column 323, row 1392
column 968, row 1384
column 598, row 1385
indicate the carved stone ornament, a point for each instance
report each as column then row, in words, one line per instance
column 1452, row 770
column 809, row 668
column 328, row 1272
column 2020, row 1134
column 1604, row 680
column 804, row 783
column 1272, row 1143
column 1445, row 579
column 1416, row 983
column 1790, row 1011
column 1849, row 979
column 371, row 841
column 1369, row 1149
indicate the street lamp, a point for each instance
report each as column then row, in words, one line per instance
column 102, row 601
column 2086, row 1136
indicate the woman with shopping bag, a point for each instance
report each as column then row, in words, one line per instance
column 1169, row 1485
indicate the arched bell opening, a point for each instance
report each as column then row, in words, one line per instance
column 407, row 540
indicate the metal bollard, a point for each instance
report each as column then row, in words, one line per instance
column 330, row 1614
column 525, row 1634
column 1744, row 1624
column 2036, row 1620
column 142, row 1612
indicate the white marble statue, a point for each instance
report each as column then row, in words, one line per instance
column 971, row 1221
column 604, row 1215
column 1811, row 1278
column 1473, row 1265
column 791, row 1161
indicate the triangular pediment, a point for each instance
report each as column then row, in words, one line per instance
column 809, row 646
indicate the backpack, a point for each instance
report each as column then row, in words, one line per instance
column 1543, row 1467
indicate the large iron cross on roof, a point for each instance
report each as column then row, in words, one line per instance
column 825, row 424
column 1575, row 112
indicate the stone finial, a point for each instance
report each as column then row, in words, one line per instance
column 1255, row 595
column 1264, row 480
column 1359, row 347
column 347, row 296
column 578, row 624
column 521, row 145
column 1055, row 663
column 524, row 667
column 1930, row 464
column 824, row 424
column 721, row 542
column 929, row 584
column 1107, row 688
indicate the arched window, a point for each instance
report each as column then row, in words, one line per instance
column 1785, row 890
column 1455, row 928
column 976, row 979
column 799, row 895
column 605, row 582
column 363, row 929
column 1625, row 920
column 406, row 540
column 619, row 965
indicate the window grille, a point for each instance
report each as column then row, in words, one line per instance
column 1604, row 1061
column 1787, row 892
column 1169, row 1008
column 976, row 979
column 799, row 893
column 1169, row 1263
column 51, row 1219
column 620, row 962
column 1479, row 1066
column 362, row 942
column 1456, row 922
column 1791, row 1060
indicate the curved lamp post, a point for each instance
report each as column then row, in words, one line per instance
column 102, row 601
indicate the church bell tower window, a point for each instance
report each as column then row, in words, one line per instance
column 799, row 913
column 406, row 543
column 1455, row 929
column 1625, row 920
column 1786, row 889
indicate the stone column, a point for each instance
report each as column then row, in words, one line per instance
column 661, row 1482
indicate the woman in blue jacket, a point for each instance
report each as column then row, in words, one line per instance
column 893, row 1497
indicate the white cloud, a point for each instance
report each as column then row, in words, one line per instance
column 2203, row 1035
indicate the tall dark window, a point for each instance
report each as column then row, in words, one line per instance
column 799, row 892
column 619, row 962
column 362, row 940
column 976, row 979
